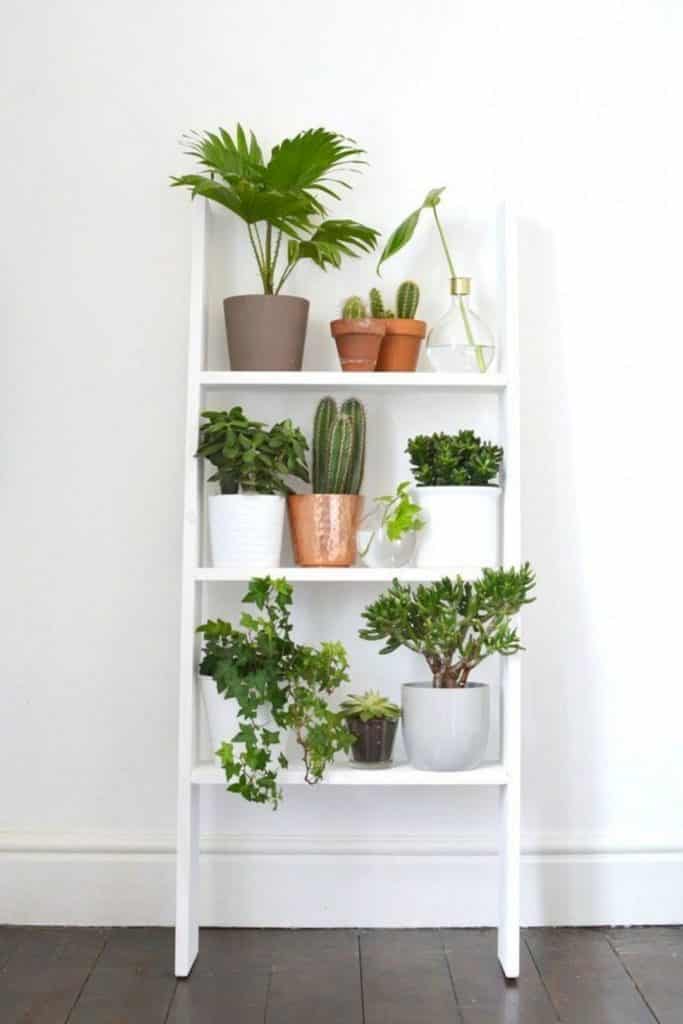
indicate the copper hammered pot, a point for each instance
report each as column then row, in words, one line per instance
column 324, row 528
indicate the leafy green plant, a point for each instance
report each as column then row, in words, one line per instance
column 338, row 456
column 250, row 457
column 354, row 309
column 454, row 624
column 281, row 199
column 446, row 460
column 368, row 705
column 399, row 514
column 262, row 668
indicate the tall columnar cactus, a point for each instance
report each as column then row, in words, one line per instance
column 325, row 415
column 407, row 298
column 338, row 447
column 354, row 309
column 340, row 456
column 377, row 308
column 356, row 413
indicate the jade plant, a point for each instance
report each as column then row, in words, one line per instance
column 398, row 515
column 407, row 299
column 279, row 685
column 250, row 457
column 338, row 450
column 368, row 706
column 453, row 623
column 281, row 199
column 445, row 460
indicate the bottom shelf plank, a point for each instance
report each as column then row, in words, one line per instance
column 490, row 774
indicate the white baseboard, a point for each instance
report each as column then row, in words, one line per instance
column 338, row 881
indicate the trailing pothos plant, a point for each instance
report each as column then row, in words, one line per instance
column 448, row 460
column 453, row 623
column 281, row 199
column 398, row 515
column 250, row 457
column 279, row 685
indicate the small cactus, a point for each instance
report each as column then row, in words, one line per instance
column 407, row 298
column 354, row 309
column 338, row 456
column 325, row 415
column 377, row 309
column 356, row 413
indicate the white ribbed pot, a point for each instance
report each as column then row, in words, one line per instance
column 221, row 716
column 461, row 527
column 246, row 529
column 445, row 730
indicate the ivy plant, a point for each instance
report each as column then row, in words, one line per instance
column 279, row 685
column 250, row 457
column 445, row 460
column 453, row 623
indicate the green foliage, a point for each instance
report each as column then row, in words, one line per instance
column 286, row 194
column 249, row 456
column 354, row 309
column 453, row 623
column 406, row 229
column 338, row 447
column 399, row 514
column 407, row 299
column 445, row 460
column 368, row 705
column 262, row 668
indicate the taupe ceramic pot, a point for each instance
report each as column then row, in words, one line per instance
column 265, row 332
column 324, row 528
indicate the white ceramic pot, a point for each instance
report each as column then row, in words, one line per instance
column 246, row 530
column 445, row 730
column 221, row 715
column 461, row 527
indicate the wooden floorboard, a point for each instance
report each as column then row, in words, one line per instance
column 344, row 976
column 585, row 978
column 653, row 957
column 406, row 978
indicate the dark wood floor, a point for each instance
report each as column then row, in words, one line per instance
column 124, row 976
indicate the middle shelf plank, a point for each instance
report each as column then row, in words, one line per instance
column 299, row 574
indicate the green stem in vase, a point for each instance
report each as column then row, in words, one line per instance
column 481, row 362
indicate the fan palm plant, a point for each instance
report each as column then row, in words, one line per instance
column 282, row 199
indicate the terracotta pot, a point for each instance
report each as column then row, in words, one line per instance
column 358, row 343
column 324, row 528
column 400, row 349
column 265, row 332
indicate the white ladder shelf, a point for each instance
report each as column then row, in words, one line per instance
column 505, row 774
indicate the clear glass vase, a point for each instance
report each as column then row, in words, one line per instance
column 375, row 548
column 460, row 342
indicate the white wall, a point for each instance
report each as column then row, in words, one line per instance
column 571, row 109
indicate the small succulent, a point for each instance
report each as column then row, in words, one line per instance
column 354, row 309
column 368, row 705
column 338, row 447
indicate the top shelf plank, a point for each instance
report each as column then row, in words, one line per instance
column 337, row 380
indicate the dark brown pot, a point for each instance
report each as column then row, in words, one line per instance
column 400, row 349
column 358, row 343
column 265, row 332
column 324, row 528
column 374, row 739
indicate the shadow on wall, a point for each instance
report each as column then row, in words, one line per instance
column 563, row 742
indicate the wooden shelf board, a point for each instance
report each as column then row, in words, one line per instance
column 344, row 775
column 333, row 380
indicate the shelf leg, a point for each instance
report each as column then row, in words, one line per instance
column 187, row 881
column 510, row 821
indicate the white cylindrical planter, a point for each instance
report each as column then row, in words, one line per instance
column 445, row 730
column 246, row 530
column 461, row 527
